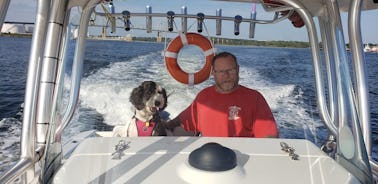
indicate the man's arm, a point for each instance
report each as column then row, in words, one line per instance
column 170, row 125
column 175, row 127
column 265, row 124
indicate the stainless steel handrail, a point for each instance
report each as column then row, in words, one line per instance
column 269, row 7
column 374, row 166
column 312, row 34
column 17, row 170
column 361, row 85
column 28, row 153
column 355, row 39
column 21, row 167
column 324, row 25
column 77, row 69
column 4, row 5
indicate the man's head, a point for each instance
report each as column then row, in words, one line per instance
column 225, row 70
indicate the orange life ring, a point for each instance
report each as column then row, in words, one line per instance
column 173, row 49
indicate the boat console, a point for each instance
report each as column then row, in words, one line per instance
column 183, row 160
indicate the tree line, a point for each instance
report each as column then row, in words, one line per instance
column 228, row 41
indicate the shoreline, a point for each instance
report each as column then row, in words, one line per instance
column 25, row 35
column 224, row 42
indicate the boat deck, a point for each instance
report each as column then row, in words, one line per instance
column 165, row 159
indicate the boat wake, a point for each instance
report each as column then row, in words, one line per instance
column 10, row 132
column 104, row 98
column 106, row 92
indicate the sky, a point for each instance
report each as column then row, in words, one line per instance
column 24, row 11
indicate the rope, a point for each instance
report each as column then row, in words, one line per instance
column 110, row 18
column 164, row 52
column 184, row 40
column 214, row 50
column 191, row 25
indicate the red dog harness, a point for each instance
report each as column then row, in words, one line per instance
column 145, row 128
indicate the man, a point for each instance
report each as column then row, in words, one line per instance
column 227, row 109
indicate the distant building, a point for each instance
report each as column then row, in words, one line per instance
column 17, row 28
column 159, row 36
column 128, row 37
column 75, row 33
column 370, row 48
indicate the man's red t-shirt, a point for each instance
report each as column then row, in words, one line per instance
column 241, row 113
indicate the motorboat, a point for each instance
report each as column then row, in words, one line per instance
column 97, row 157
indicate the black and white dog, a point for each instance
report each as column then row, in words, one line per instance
column 148, row 99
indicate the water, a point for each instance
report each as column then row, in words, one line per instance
column 283, row 75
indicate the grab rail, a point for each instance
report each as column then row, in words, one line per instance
column 17, row 170
column 77, row 69
column 326, row 34
column 22, row 166
column 4, row 5
column 374, row 166
column 307, row 18
column 362, row 91
column 354, row 29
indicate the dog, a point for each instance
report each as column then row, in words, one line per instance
column 149, row 99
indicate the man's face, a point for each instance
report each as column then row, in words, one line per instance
column 226, row 74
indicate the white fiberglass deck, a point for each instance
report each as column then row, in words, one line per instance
column 165, row 160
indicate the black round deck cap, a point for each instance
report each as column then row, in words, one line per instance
column 213, row 157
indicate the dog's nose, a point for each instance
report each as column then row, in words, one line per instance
column 157, row 103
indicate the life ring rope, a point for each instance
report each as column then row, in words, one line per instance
column 191, row 79
column 209, row 52
column 184, row 40
column 175, row 55
column 171, row 53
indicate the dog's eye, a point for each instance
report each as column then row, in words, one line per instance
column 160, row 92
column 157, row 103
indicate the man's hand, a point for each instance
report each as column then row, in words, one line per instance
column 170, row 125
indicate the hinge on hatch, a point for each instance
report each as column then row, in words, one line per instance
column 286, row 148
column 119, row 148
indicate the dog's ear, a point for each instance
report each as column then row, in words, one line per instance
column 136, row 97
column 164, row 93
column 149, row 89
